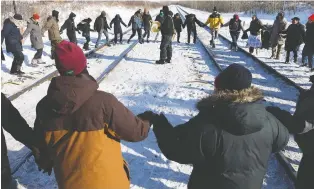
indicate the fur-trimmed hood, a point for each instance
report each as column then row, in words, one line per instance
column 18, row 23
column 237, row 112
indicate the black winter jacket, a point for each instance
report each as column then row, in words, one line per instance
column 117, row 21
column 167, row 27
column 69, row 24
column 255, row 27
column 11, row 34
column 160, row 18
column 84, row 26
column 235, row 25
column 228, row 143
column 147, row 18
column 309, row 37
column 295, row 36
column 190, row 21
column 101, row 23
column 177, row 22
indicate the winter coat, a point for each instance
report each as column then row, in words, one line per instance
column 228, row 143
column 234, row 25
column 84, row 26
column 147, row 19
column 276, row 38
column 117, row 21
column 15, row 124
column 301, row 124
column 167, row 27
column 53, row 29
column 160, row 18
column 34, row 30
column 84, row 131
column 295, row 36
column 101, row 24
column 11, row 34
column 177, row 21
column 69, row 24
column 309, row 37
column 190, row 21
column 136, row 22
column 215, row 21
column 255, row 27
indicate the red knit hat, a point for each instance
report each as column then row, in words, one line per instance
column 36, row 16
column 70, row 59
column 311, row 18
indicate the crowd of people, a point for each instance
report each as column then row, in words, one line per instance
column 78, row 128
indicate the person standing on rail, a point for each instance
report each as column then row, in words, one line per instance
column 294, row 38
column 11, row 33
column 167, row 32
column 190, row 21
column 177, row 25
column 15, row 124
column 69, row 24
column 137, row 22
column 101, row 26
column 231, row 139
column 82, row 127
column 147, row 21
column 159, row 18
column 84, row 26
column 34, row 30
column 53, row 31
column 301, row 124
column 308, row 49
column 235, row 25
column 117, row 21
column 276, row 39
column 254, row 41
column 215, row 21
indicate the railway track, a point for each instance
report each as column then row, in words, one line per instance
column 280, row 156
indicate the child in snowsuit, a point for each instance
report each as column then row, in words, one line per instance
column 36, row 39
column 84, row 26
column 117, row 21
column 137, row 23
column 147, row 20
column 177, row 21
column 190, row 21
column 235, row 26
column 69, row 24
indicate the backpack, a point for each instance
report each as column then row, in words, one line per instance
column 81, row 26
column 234, row 25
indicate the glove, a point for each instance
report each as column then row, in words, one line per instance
column 148, row 116
column 221, row 25
column 42, row 160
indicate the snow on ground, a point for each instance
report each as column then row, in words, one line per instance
column 294, row 72
column 10, row 84
column 172, row 89
column 276, row 91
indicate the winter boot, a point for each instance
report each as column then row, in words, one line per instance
column 86, row 47
column 128, row 41
column 34, row 62
column 52, row 56
column 160, row 62
column 168, row 61
column 211, row 42
column 40, row 61
column 17, row 71
column 147, row 41
column 251, row 50
column 295, row 60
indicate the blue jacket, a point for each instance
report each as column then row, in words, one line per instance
column 12, row 36
column 136, row 22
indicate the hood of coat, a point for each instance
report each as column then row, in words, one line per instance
column 237, row 112
column 117, row 16
column 17, row 23
column 32, row 20
column 67, row 93
column 72, row 16
column 190, row 16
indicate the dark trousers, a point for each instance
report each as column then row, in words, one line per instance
column 178, row 36
column 17, row 61
column 146, row 32
column 305, row 172
column 139, row 34
column 86, row 44
column 214, row 33
column 308, row 52
column 99, row 36
column 166, row 47
column 116, row 37
column 72, row 38
column 189, row 35
column 234, row 37
column 295, row 55
column 38, row 54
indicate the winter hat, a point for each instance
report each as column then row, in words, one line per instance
column 36, row 16
column 295, row 18
column 311, row 18
column 236, row 17
column 55, row 13
column 103, row 13
column 282, row 14
column 70, row 59
column 215, row 9
column 165, row 9
column 234, row 77
column 18, row 17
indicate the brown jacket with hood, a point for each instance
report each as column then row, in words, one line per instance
column 89, row 156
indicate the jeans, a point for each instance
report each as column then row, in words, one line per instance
column 166, row 47
column 17, row 61
column 86, row 44
column 38, row 54
column 308, row 52
column 99, row 37
column 194, row 35
column 178, row 36
column 139, row 33
column 295, row 55
column 146, row 32
column 234, row 37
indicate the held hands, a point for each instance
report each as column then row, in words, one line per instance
column 148, row 116
column 42, row 160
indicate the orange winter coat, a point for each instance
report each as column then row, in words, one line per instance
column 82, row 128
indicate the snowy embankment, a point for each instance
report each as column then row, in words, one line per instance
column 299, row 75
column 173, row 89
column 10, row 84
